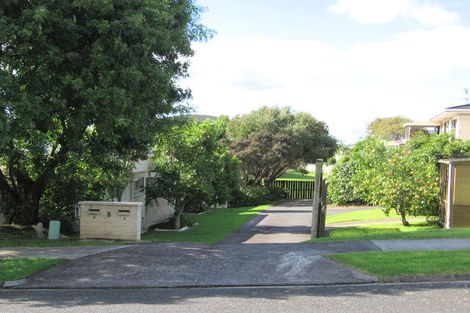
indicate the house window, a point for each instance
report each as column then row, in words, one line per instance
column 446, row 127
column 454, row 125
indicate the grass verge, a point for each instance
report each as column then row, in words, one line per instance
column 14, row 269
column 213, row 226
column 387, row 265
column 362, row 215
column 393, row 231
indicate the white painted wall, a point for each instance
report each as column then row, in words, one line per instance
column 155, row 212
column 463, row 128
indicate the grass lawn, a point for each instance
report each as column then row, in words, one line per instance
column 213, row 226
column 363, row 215
column 294, row 175
column 415, row 263
column 393, row 231
column 419, row 228
column 14, row 269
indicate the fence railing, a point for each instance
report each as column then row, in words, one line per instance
column 296, row 189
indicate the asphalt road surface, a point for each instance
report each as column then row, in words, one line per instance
column 419, row 297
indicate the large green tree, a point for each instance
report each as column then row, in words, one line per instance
column 194, row 166
column 388, row 128
column 271, row 140
column 85, row 75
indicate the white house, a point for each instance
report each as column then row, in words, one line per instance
column 453, row 120
column 154, row 212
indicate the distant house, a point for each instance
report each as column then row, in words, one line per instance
column 452, row 120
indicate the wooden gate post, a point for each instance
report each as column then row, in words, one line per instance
column 315, row 231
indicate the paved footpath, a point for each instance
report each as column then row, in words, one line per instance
column 70, row 253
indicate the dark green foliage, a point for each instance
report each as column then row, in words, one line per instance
column 354, row 178
column 257, row 195
column 194, row 166
column 270, row 141
column 340, row 183
column 80, row 77
column 80, row 180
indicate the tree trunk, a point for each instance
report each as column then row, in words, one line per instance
column 403, row 217
column 177, row 216
column 23, row 201
column 24, row 192
column 177, row 221
column 27, row 209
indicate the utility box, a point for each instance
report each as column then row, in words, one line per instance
column 110, row 220
column 455, row 193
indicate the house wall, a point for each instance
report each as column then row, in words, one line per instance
column 463, row 128
column 154, row 212
column 157, row 212
column 460, row 214
column 448, row 127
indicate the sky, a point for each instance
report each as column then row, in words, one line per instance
column 346, row 62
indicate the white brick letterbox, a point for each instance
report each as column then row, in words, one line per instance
column 110, row 220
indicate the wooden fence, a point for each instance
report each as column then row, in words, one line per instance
column 296, row 189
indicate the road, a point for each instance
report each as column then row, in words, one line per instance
column 421, row 297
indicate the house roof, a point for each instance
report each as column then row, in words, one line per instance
column 452, row 112
column 422, row 124
column 457, row 160
column 460, row 107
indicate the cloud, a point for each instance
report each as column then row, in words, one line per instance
column 383, row 11
column 347, row 88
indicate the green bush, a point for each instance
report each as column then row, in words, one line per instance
column 404, row 179
column 355, row 176
column 409, row 180
column 340, row 183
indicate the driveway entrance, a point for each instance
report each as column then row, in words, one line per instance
column 288, row 222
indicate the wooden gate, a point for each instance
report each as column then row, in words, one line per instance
column 296, row 189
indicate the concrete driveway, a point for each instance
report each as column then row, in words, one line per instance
column 288, row 222
column 191, row 265
column 264, row 252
